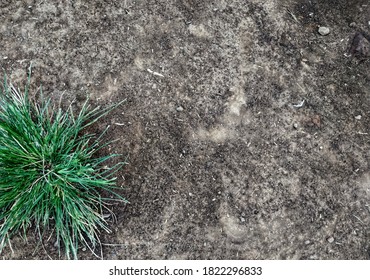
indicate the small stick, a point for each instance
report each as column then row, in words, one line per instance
column 358, row 219
column 155, row 73
column 293, row 16
column 113, row 245
column 299, row 105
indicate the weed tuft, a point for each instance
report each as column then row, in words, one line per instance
column 50, row 177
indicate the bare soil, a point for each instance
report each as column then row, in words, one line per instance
column 246, row 131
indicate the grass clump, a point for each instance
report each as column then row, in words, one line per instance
column 50, row 177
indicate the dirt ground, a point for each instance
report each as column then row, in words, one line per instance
column 246, row 131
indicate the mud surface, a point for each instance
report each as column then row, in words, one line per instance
column 247, row 132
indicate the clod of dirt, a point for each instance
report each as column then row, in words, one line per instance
column 360, row 46
column 313, row 121
column 316, row 120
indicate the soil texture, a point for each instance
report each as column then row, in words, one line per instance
column 245, row 128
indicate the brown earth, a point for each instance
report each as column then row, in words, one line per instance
column 246, row 131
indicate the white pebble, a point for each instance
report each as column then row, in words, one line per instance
column 324, row 30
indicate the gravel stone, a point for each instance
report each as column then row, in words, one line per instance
column 324, row 30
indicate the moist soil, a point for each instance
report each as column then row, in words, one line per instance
column 245, row 129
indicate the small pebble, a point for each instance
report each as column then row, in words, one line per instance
column 295, row 125
column 242, row 219
column 179, row 109
column 358, row 117
column 324, row 30
column 352, row 24
column 331, row 239
column 307, row 242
